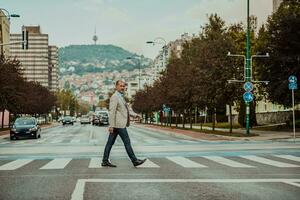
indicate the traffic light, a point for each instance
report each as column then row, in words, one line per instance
column 24, row 39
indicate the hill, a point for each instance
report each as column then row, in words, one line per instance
column 81, row 59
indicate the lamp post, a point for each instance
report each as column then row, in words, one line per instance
column 139, row 65
column 248, row 70
column 162, row 41
column 8, row 15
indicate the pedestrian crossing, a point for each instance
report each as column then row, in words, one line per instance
column 66, row 140
column 201, row 162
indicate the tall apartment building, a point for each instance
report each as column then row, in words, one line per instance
column 276, row 4
column 173, row 47
column 53, row 68
column 39, row 62
column 4, row 33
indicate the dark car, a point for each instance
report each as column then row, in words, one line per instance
column 103, row 117
column 25, row 127
column 96, row 120
column 67, row 120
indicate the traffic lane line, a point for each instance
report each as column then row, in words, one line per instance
column 80, row 185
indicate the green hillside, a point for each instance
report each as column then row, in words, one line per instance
column 81, row 59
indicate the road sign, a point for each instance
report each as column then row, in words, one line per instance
column 292, row 79
column 248, row 97
column 293, row 86
column 248, row 86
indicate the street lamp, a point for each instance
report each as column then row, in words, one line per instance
column 248, row 78
column 139, row 65
column 8, row 15
column 161, row 41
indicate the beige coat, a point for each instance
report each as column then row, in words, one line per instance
column 119, row 112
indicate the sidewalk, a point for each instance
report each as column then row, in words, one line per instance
column 262, row 135
column 43, row 126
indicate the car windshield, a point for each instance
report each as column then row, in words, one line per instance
column 24, row 122
column 68, row 118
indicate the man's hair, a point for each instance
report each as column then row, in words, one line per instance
column 119, row 81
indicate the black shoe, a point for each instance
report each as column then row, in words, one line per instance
column 138, row 162
column 107, row 164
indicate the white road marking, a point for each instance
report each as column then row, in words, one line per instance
column 75, row 141
column 170, row 141
column 226, row 161
column 15, row 164
column 58, row 163
column 56, row 141
column 95, row 163
column 184, row 162
column 5, row 142
column 268, row 161
column 289, row 157
column 80, row 185
column 94, row 141
column 148, row 164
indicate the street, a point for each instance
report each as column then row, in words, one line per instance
column 65, row 164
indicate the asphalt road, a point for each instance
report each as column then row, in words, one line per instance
column 65, row 164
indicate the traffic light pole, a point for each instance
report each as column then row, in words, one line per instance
column 247, row 69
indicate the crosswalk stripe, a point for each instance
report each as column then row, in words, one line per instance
column 268, row 161
column 289, row 157
column 226, row 161
column 58, row 163
column 95, row 163
column 184, row 162
column 149, row 164
column 15, row 164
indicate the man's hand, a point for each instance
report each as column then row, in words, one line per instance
column 110, row 129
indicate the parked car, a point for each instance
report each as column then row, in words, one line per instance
column 25, row 127
column 85, row 119
column 103, row 117
column 67, row 120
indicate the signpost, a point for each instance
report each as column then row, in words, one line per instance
column 293, row 86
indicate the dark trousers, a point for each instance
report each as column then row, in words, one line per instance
column 126, row 140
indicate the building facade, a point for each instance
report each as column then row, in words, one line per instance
column 172, row 48
column 39, row 62
column 276, row 4
column 4, row 34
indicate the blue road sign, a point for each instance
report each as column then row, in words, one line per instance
column 248, row 97
column 292, row 79
column 293, row 86
column 248, row 86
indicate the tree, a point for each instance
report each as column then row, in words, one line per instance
column 281, row 39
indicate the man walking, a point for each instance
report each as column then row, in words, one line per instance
column 119, row 119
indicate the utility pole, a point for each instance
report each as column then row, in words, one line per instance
column 248, row 72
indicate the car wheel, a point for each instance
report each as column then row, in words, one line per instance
column 36, row 136
column 12, row 137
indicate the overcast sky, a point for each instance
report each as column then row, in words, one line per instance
column 126, row 23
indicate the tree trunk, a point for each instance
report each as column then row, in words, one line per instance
column 191, row 119
column 176, row 121
column 230, row 117
column 213, row 118
column 183, row 120
column 2, row 125
column 196, row 115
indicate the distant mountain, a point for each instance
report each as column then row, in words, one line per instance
column 81, row 59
